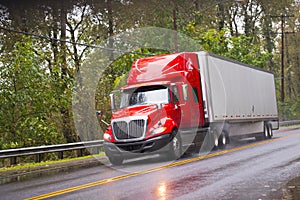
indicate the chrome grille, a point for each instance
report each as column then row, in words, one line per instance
column 120, row 130
column 136, row 128
column 133, row 129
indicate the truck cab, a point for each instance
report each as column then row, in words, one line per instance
column 162, row 95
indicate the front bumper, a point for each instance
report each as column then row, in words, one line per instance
column 144, row 146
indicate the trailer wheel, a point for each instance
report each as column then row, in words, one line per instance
column 116, row 160
column 223, row 140
column 270, row 131
column 266, row 132
column 175, row 146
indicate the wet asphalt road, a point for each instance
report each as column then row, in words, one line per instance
column 244, row 170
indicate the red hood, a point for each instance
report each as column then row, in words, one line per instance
column 141, row 110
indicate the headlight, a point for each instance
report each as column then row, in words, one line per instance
column 158, row 130
column 107, row 137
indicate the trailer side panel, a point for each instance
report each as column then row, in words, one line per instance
column 237, row 92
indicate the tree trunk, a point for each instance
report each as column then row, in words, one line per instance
column 110, row 30
column 221, row 17
column 65, row 112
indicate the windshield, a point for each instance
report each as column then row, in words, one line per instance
column 145, row 95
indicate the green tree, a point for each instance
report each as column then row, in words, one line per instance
column 241, row 47
column 27, row 105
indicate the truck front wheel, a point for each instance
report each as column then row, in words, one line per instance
column 175, row 146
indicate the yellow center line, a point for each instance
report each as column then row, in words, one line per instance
column 177, row 163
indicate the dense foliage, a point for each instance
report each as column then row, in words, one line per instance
column 38, row 67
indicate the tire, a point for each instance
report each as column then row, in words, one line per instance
column 223, row 140
column 116, row 160
column 266, row 132
column 215, row 139
column 175, row 146
column 270, row 130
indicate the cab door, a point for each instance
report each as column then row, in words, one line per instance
column 190, row 106
column 187, row 105
column 184, row 106
column 180, row 100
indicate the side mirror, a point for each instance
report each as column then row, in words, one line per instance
column 112, row 102
column 99, row 117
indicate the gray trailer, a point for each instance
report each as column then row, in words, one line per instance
column 239, row 99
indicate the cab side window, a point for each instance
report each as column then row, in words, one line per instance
column 185, row 92
column 175, row 94
column 195, row 94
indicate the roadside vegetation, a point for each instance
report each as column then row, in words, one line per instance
column 46, row 164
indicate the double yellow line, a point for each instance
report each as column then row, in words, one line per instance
column 182, row 162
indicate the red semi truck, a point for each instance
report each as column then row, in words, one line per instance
column 191, row 100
